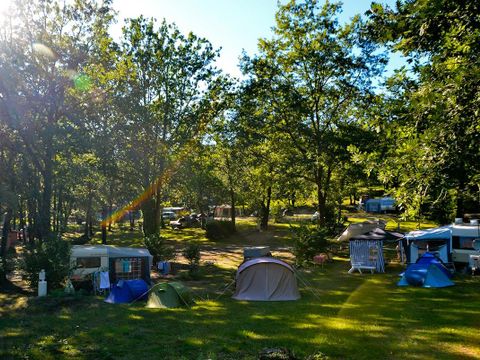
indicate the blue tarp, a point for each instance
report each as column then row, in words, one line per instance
column 440, row 233
column 126, row 291
column 428, row 272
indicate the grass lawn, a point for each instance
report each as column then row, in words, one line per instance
column 345, row 317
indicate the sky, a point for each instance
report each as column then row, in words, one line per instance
column 233, row 25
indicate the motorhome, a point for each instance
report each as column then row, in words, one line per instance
column 465, row 240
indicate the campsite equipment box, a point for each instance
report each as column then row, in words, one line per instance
column 255, row 252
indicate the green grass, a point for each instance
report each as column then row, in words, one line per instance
column 349, row 317
column 345, row 316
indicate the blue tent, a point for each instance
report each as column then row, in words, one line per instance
column 428, row 272
column 126, row 291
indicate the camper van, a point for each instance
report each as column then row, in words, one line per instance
column 458, row 243
column 465, row 240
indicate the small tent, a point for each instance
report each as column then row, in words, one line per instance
column 428, row 272
column 126, row 291
column 266, row 279
column 169, row 295
column 366, row 251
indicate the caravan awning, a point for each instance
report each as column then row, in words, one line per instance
column 109, row 251
column 441, row 233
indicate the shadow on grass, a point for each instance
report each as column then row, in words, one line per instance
column 345, row 316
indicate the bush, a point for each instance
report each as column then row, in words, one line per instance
column 52, row 255
column 219, row 229
column 158, row 248
column 192, row 254
column 308, row 242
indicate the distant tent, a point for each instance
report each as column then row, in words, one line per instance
column 225, row 211
column 366, row 251
column 380, row 205
column 428, row 272
column 169, row 295
column 126, row 291
column 266, row 279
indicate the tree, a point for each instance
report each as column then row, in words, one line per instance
column 165, row 105
column 48, row 41
column 435, row 113
column 312, row 77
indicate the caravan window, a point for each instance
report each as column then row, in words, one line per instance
column 88, row 262
column 128, row 268
column 463, row 242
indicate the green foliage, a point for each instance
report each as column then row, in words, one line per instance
column 191, row 252
column 219, row 229
column 159, row 249
column 52, row 255
column 430, row 119
column 308, row 242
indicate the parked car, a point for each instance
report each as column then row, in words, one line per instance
column 169, row 215
column 315, row 216
column 287, row 212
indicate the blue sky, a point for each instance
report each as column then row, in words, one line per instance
column 232, row 25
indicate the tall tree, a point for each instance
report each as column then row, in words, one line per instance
column 312, row 76
column 435, row 121
column 166, row 104
column 49, row 41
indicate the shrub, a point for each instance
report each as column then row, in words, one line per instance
column 192, row 254
column 308, row 242
column 219, row 229
column 158, row 248
column 52, row 255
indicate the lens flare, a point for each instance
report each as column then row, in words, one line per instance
column 82, row 82
column 44, row 50
column 157, row 184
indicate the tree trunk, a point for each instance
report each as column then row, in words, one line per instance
column 54, row 212
column 3, row 248
column 21, row 216
column 322, row 206
column 233, row 214
column 131, row 216
column 31, row 220
column 88, row 216
column 110, row 210
column 148, row 212
column 104, row 226
column 265, row 207
column 46, row 203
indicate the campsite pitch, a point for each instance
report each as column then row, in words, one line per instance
column 346, row 316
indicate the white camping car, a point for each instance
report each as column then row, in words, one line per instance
column 121, row 262
column 465, row 240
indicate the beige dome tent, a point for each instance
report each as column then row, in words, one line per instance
column 266, row 279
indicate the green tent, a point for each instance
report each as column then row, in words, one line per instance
column 169, row 295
